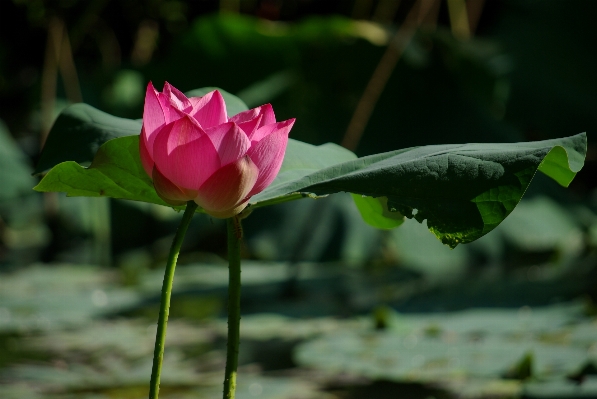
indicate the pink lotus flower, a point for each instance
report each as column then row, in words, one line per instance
column 192, row 150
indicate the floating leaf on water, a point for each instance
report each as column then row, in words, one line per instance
column 481, row 343
column 47, row 298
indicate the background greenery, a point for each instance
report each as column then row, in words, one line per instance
column 334, row 308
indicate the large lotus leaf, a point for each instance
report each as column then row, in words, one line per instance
column 115, row 172
column 463, row 191
column 79, row 132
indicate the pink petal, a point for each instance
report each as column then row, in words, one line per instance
column 268, row 154
column 246, row 115
column 209, row 110
column 224, row 194
column 165, row 103
column 153, row 116
column 249, row 127
column 228, row 213
column 146, row 159
column 268, row 115
column 170, row 192
column 266, row 111
column 171, row 113
column 177, row 99
column 265, row 131
column 184, row 154
column 230, row 142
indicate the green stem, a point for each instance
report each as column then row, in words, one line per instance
column 234, row 239
column 160, row 337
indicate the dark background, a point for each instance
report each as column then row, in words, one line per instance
column 525, row 71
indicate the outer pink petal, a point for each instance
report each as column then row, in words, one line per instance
column 165, row 103
column 230, row 142
column 177, row 98
column 224, row 194
column 153, row 116
column 184, row 154
column 265, row 131
column 170, row 192
column 267, row 112
column 268, row 154
column 146, row 159
column 209, row 110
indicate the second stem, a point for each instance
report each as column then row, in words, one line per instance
column 160, row 338
column 234, row 239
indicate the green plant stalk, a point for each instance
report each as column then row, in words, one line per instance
column 234, row 285
column 160, row 337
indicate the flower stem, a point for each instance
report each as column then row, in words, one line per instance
column 234, row 239
column 160, row 337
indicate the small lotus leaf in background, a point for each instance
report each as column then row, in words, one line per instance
column 419, row 251
column 340, row 234
column 267, row 89
column 375, row 212
column 541, row 224
column 126, row 92
column 14, row 169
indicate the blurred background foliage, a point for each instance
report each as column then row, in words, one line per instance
column 335, row 309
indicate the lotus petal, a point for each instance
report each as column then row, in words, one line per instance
column 209, row 110
column 230, row 142
column 177, row 99
column 170, row 192
column 268, row 153
column 266, row 130
column 153, row 116
column 225, row 193
column 184, row 154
